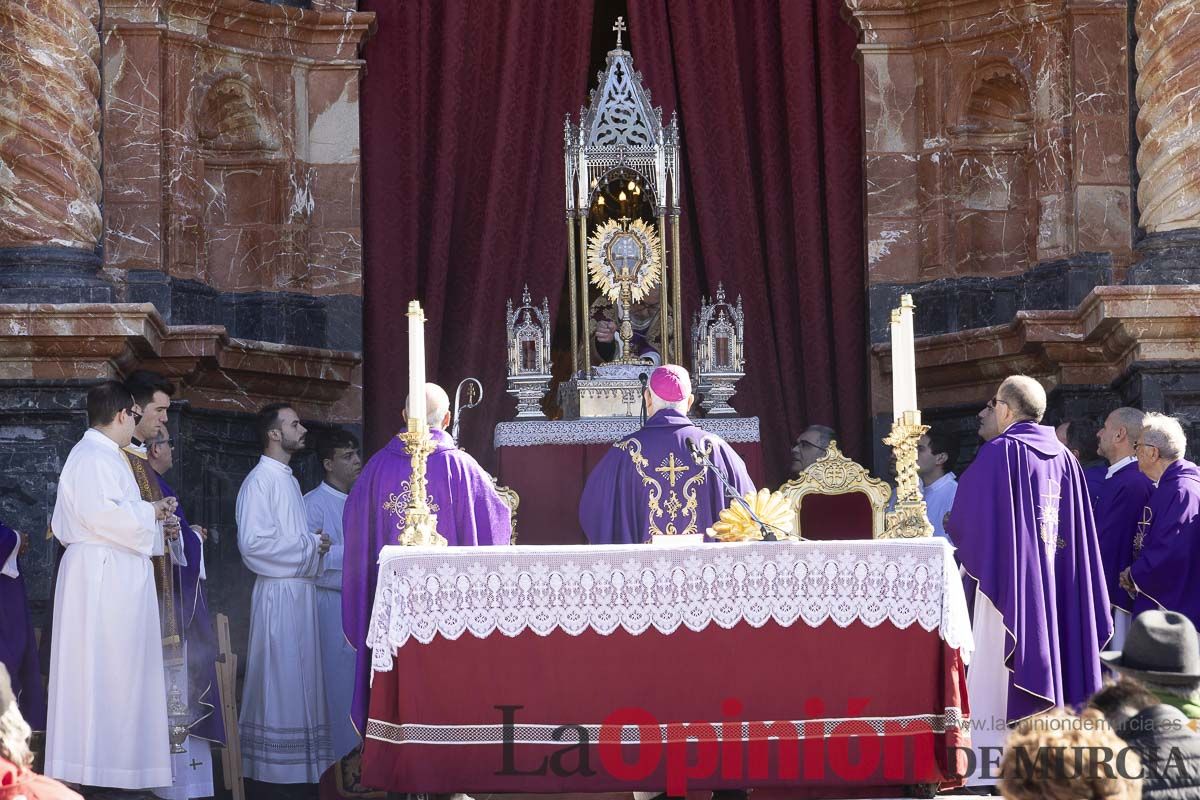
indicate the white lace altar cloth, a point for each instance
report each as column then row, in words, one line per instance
column 605, row 431
column 424, row 592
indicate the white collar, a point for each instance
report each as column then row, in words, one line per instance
column 265, row 459
column 97, row 436
column 1120, row 465
column 946, row 477
column 331, row 490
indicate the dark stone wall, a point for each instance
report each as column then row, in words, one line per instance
column 333, row 321
column 957, row 304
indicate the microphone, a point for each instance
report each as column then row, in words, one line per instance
column 701, row 459
column 645, row 379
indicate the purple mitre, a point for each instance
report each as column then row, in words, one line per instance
column 649, row 484
column 469, row 512
column 1024, row 528
column 1166, row 568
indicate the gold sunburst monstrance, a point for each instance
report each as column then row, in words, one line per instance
column 624, row 264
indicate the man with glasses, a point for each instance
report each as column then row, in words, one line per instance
column 1023, row 526
column 107, row 720
column 1166, row 568
column 205, row 723
column 810, row 446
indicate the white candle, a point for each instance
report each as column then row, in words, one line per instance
column 897, row 401
column 416, row 362
column 910, row 354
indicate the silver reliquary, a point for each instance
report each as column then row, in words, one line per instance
column 529, row 355
column 717, row 352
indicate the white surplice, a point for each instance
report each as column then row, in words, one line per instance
column 107, row 721
column 325, row 505
column 284, row 720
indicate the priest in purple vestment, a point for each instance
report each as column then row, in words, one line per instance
column 1025, row 533
column 18, row 648
column 469, row 512
column 1166, row 567
column 649, row 484
column 191, row 611
column 1120, row 503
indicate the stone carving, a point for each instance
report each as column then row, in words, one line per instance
column 232, row 119
column 1168, row 62
column 50, row 123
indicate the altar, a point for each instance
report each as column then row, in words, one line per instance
column 547, row 464
column 644, row 667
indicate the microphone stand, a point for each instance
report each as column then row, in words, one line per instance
column 703, row 460
column 644, row 378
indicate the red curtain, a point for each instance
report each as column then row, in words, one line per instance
column 462, row 111
column 462, row 135
column 767, row 94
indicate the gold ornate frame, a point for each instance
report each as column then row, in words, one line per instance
column 833, row 473
column 513, row 501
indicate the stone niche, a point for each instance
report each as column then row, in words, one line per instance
column 997, row 142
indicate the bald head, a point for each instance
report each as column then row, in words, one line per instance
column 1122, row 429
column 437, row 406
column 1025, row 397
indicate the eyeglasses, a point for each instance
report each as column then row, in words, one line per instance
column 994, row 402
column 137, row 415
column 804, row 443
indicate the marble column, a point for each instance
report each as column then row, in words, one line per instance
column 1168, row 159
column 50, row 221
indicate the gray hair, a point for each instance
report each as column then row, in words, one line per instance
column 14, row 737
column 437, row 405
column 1025, row 396
column 659, row 404
column 1130, row 419
column 1164, row 433
column 826, row 434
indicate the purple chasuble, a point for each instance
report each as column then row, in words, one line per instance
column 469, row 512
column 648, row 484
column 191, row 614
column 1024, row 529
column 1166, row 567
column 1094, row 477
column 1120, row 504
column 18, row 647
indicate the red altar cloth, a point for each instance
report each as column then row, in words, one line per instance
column 549, row 479
column 866, row 703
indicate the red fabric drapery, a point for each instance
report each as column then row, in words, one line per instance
column 768, row 99
column 462, row 130
column 462, row 113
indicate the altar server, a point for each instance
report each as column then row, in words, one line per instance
column 935, row 468
column 463, row 495
column 1120, row 502
column 107, row 721
column 340, row 459
column 649, row 483
column 18, row 648
column 284, row 722
column 1166, row 568
column 206, row 724
column 1023, row 526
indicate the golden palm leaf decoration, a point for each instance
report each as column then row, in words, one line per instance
column 603, row 264
column 736, row 525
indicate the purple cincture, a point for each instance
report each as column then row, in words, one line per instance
column 1167, row 569
column 469, row 512
column 1024, row 528
column 649, row 484
column 18, row 648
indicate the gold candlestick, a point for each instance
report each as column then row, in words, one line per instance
column 909, row 519
column 420, row 523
